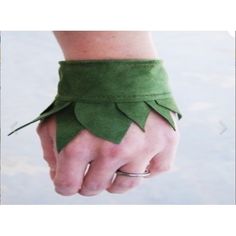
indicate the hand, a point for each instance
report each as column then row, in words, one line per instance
column 153, row 149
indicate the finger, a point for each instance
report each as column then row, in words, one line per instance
column 122, row 183
column 162, row 161
column 99, row 177
column 49, row 153
column 71, row 167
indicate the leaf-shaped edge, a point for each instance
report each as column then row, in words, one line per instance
column 165, row 113
column 50, row 110
column 103, row 120
column 136, row 111
column 170, row 104
column 67, row 126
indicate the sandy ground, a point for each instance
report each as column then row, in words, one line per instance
column 201, row 68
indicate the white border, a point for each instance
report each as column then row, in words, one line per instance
column 118, row 15
column 118, row 220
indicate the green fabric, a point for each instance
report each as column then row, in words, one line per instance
column 162, row 111
column 67, row 126
column 136, row 111
column 106, row 96
column 53, row 108
column 104, row 120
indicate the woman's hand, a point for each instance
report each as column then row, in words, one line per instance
column 87, row 165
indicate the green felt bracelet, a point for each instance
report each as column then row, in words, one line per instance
column 106, row 96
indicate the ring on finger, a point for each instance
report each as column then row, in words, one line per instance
column 144, row 174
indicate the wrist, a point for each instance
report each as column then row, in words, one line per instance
column 106, row 96
column 106, row 45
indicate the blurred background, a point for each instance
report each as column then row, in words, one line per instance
column 201, row 69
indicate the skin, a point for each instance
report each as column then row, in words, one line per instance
column 87, row 165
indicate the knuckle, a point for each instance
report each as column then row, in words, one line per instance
column 69, row 151
column 115, row 151
column 72, row 150
column 173, row 138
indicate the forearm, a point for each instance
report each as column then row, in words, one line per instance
column 88, row 45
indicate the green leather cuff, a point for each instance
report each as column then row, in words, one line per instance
column 106, row 96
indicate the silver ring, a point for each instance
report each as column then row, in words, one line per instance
column 144, row 174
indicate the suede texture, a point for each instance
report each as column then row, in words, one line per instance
column 106, row 96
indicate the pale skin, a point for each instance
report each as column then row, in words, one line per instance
column 154, row 149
